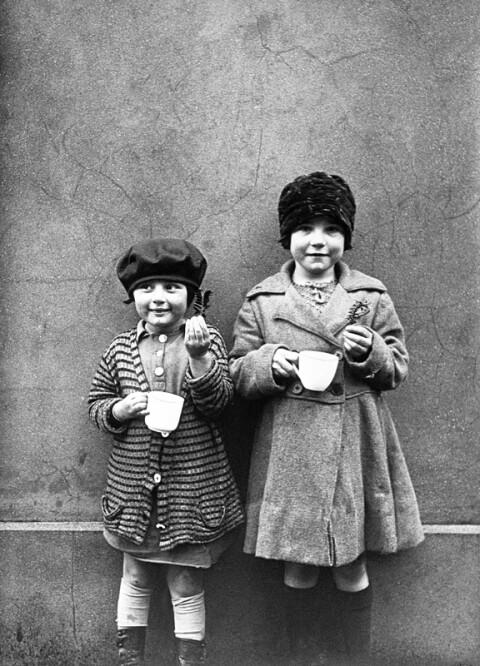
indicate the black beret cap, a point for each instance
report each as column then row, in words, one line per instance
column 315, row 195
column 161, row 259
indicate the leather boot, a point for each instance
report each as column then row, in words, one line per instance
column 131, row 646
column 190, row 653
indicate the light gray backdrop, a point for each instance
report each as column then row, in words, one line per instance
column 125, row 120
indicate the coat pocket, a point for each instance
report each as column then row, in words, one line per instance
column 212, row 512
column 111, row 510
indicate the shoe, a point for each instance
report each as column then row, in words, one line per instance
column 190, row 652
column 131, row 646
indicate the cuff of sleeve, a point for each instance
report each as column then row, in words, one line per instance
column 198, row 383
column 373, row 362
column 111, row 422
column 264, row 379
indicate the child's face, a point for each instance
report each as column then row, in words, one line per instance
column 161, row 304
column 316, row 246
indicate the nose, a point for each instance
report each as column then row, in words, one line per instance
column 317, row 237
column 158, row 294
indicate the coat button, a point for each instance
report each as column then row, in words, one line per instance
column 336, row 389
column 159, row 372
column 157, row 477
column 159, row 352
column 163, row 337
column 297, row 388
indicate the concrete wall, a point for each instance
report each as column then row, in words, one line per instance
column 125, row 120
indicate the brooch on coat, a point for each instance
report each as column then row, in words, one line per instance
column 201, row 302
column 357, row 310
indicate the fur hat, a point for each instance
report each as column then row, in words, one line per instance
column 161, row 259
column 315, row 195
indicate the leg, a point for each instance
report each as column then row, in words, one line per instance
column 132, row 611
column 299, row 595
column 352, row 577
column 354, row 606
column 300, row 576
column 307, row 606
column 188, row 601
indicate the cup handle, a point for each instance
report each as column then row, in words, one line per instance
column 297, row 372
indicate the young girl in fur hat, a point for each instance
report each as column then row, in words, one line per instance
column 170, row 498
column 328, row 479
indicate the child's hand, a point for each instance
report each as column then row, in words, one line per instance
column 197, row 337
column 135, row 404
column 283, row 364
column 357, row 341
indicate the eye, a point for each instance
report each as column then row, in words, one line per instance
column 334, row 229
column 304, row 228
column 173, row 286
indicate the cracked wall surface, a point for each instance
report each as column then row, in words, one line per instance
column 126, row 120
column 123, row 122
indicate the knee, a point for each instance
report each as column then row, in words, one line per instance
column 184, row 581
column 352, row 577
column 136, row 572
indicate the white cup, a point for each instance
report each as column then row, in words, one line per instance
column 316, row 369
column 165, row 410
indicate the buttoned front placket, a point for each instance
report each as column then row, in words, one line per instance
column 152, row 353
column 164, row 371
column 158, row 379
column 164, row 361
column 158, row 382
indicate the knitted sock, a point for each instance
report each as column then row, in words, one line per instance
column 299, row 615
column 189, row 616
column 133, row 605
column 355, row 617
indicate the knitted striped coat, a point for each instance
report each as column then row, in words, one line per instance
column 197, row 498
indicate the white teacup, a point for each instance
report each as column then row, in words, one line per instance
column 316, row 369
column 164, row 412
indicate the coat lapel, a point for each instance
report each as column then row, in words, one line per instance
column 296, row 311
column 337, row 311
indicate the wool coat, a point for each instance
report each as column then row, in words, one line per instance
column 187, row 474
column 328, row 479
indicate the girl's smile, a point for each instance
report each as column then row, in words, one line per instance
column 316, row 246
column 162, row 304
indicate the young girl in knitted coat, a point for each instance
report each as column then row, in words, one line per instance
column 170, row 499
column 328, row 479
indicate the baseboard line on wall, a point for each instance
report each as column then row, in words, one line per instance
column 51, row 527
column 451, row 529
column 13, row 526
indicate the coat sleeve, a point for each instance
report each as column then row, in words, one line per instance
column 387, row 364
column 213, row 392
column 104, row 393
column 251, row 357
